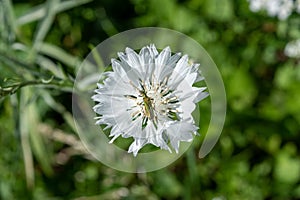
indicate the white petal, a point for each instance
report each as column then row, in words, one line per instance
column 133, row 58
column 170, row 65
column 145, row 56
column 200, row 96
column 182, row 64
column 181, row 131
column 117, row 64
column 153, row 50
column 163, row 57
column 136, row 146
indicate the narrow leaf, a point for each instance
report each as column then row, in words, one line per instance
column 30, row 120
column 39, row 12
column 45, row 25
column 59, row 54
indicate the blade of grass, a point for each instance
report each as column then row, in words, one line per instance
column 25, row 141
column 30, row 120
column 59, row 54
column 88, row 82
column 59, row 108
column 34, row 14
column 39, row 12
column 18, row 66
column 3, row 27
column 49, row 65
column 97, row 58
column 42, row 61
column 44, row 26
column 9, row 19
column 106, row 24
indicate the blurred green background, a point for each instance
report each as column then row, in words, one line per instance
column 42, row 43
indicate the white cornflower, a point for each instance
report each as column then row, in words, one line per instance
column 286, row 9
column 150, row 97
column 280, row 8
column 297, row 6
column 292, row 49
column 257, row 5
column 272, row 7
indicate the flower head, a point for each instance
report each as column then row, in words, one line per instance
column 280, row 8
column 150, row 97
column 292, row 49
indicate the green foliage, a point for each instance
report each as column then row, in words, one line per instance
column 42, row 43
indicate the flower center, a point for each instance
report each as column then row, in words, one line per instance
column 155, row 102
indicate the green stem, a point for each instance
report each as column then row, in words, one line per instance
column 11, row 89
